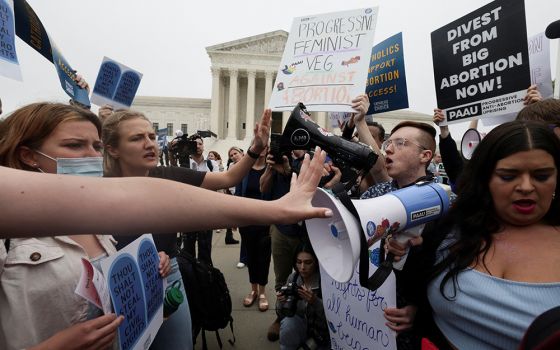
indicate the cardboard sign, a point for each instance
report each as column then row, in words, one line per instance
column 481, row 62
column 9, row 64
column 116, row 84
column 325, row 61
column 386, row 81
column 136, row 290
column 355, row 314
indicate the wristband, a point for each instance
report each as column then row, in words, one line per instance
column 252, row 154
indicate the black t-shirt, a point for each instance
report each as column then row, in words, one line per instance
column 167, row 242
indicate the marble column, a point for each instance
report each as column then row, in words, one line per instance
column 267, row 87
column 232, row 120
column 215, row 114
column 250, row 119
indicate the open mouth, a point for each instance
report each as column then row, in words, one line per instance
column 150, row 155
column 524, row 206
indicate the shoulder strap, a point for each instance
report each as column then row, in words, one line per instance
column 386, row 266
column 209, row 165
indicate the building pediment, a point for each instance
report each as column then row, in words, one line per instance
column 265, row 44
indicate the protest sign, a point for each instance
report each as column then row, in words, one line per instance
column 481, row 62
column 116, row 84
column 386, row 81
column 162, row 137
column 30, row 29
column 355, row 314
column 338, row 118
column 9, row 64
column 539, row 57
column 325, row 61
column 136, row 290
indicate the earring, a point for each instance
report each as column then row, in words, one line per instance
column 553, row 195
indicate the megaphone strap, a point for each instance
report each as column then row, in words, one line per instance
column 386, row 266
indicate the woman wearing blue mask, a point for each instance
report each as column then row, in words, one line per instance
column 38, row 276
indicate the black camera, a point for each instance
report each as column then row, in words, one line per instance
column 182, row 147
column 288, row 307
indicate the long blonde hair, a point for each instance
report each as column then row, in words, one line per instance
column 111, row 137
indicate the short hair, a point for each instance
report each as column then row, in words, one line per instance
column 378, row 126
column 427, row 135
column 547, row 110
column 111, row 137
column 32, row 124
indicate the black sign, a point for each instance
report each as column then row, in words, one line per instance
column 481, row 56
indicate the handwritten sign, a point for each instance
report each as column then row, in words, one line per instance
column 116, row 84
column 9, row 65
column 355, row 314
column 386, row 81
column 325, row 61
column 136, row 290
column 539, row 57
column 481, row 62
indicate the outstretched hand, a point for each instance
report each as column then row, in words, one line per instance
column 297, row 202
column 261, row 132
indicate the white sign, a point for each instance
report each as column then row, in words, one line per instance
column 355, row 314
column 136, row 290
column 325, row 61
column 539, row 63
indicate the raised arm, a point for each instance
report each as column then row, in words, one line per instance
column 34, row 204
column 215, row 181
column 361, row 105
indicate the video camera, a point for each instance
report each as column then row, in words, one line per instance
column 182, row 147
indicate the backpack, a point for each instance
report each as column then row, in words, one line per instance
column 208, row 296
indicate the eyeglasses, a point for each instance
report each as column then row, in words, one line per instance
column 399, row 143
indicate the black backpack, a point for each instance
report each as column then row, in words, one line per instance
column 208, row 296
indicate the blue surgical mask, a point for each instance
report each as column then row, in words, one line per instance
column 86, row 166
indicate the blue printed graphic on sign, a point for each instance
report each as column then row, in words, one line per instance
column 107, row 79
column 7, row 33
column 374, row 256
column 386, row 81
column 127, row 87
column 128, row 299
column 148, row 260
column 370, row 227
column 66, row 76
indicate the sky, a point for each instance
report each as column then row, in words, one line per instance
column 166, row 40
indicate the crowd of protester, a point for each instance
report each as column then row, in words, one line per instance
column 475, row 279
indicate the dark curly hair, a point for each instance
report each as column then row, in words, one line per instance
column 473, row 216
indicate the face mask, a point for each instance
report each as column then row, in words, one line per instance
column 86, row 166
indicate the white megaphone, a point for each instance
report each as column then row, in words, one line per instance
column 336, row 240
column 470, row 140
